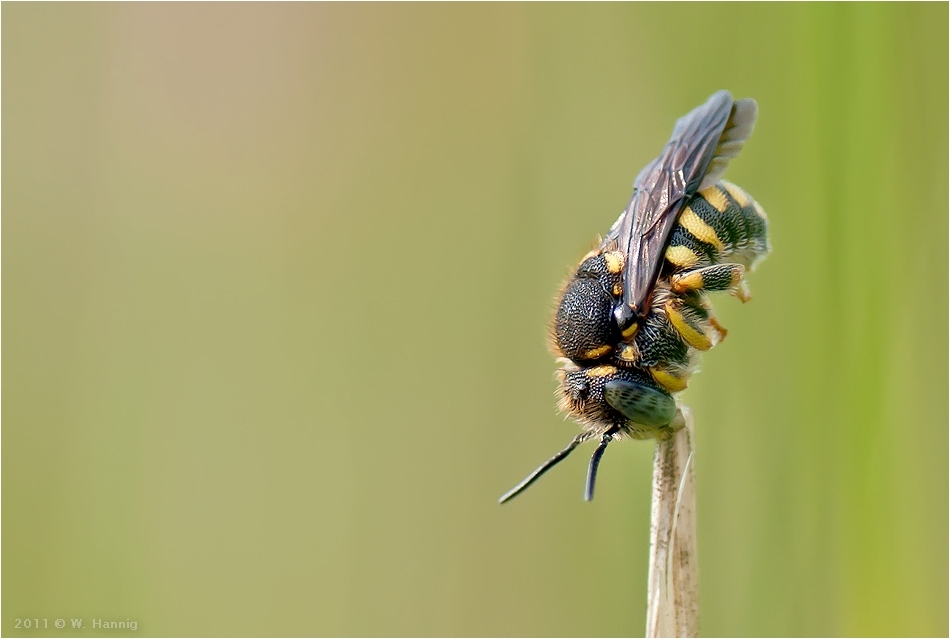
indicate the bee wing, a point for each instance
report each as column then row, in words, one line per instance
column 703, row 142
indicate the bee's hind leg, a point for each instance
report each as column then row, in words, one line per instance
column 719, row 277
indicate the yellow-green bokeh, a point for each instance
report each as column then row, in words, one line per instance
column 276, row 280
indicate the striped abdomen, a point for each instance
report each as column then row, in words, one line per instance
column 721, row 224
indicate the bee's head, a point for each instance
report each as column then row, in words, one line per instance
column 581, row 392
column 605, row 395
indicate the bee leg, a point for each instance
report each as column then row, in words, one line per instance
column 694, row 323
column 719, row 277
column 719, row 327
column 671, row 377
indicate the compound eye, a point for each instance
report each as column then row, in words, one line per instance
column 640, row 404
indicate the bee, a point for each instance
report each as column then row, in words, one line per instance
column 634, row 315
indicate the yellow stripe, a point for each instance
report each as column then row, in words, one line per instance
column 759, row 211
column 597, row 351
column 693, row 337
column 699, row 229
column 737, row 194
column 716, row 198
column 628, row 353
column 681, row 256
column 668, row 380
column 630, row 331
column 687, row 282
column 601, row 371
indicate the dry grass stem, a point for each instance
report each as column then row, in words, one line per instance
column 672, row 606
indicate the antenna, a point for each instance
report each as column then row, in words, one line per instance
column 595, row 462
column 545, row 467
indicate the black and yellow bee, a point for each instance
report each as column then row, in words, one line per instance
column 634, row 315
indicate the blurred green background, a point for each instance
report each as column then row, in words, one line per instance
column 276, row 281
